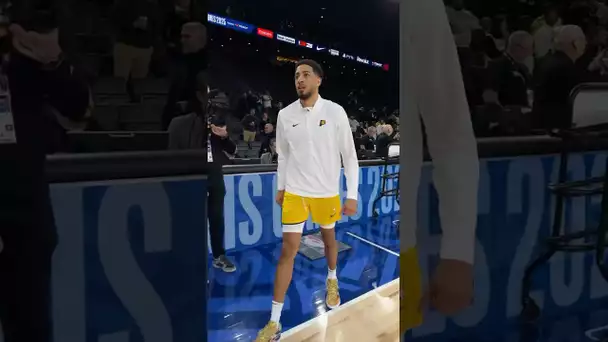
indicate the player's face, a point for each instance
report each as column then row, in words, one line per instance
column 307, row 82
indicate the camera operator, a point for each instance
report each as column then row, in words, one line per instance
column 200, row 130
column 34, row 78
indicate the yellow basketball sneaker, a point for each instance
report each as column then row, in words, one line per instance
column 270, row 333
column 332, row 299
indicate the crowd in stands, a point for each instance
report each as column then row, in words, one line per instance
column 141, row 58
column 520, row 69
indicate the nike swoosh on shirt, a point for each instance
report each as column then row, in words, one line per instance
column 295, row 125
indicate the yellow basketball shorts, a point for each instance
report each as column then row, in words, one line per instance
column 296, row 210
column 411, row 290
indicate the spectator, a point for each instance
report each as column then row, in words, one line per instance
column 509, row 78
column 368, row 142
column 183, row 80
column 38, row 78
column 385, row 138
column 463, row 23
column 249, row 122
column 544, row 35
column 267, row 136
column 252, row 101
column 478, row 50
column 501, row 31
column 354, row 124
column 178, row 13
column 271, row 156
column 138, row 24
column 267, row 99
column 599, row 62
column 601, row 11
column 557, row 76
column 487, row 25
column 485, row 43
column 265, row 120
column 199, row 131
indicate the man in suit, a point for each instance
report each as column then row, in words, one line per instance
column 198, row 130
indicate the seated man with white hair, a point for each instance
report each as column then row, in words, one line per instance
column 508, row 77
column 385, row 138
column 557, row 77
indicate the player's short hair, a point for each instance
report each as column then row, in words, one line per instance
column 316, row 67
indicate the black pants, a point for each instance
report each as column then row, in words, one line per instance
column 215, row 210
column 25, row 279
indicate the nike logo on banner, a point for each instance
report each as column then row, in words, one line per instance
column 320, row 48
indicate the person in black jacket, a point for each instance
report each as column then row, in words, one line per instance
column 38, row 78
column 556, row 78
column 199, row 130
column 368, row 142
column 183, row 80
column 138, row 24
column 384, row 139
column 268, row 135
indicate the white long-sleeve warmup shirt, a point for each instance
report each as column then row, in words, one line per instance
column 311, row 145
column 432, row 88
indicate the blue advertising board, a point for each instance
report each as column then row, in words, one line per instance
column 129, row 265
column 117, row 234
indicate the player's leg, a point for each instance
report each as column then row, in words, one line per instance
column 326, row 212
column 295, row 213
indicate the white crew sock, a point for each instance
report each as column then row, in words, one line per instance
column 275, row 314
column 331, row 274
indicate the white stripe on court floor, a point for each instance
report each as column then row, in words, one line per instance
column 591, row 333
column 346, row 305
column 373, row 244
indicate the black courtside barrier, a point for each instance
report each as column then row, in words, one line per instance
column 131, row 257
column 132, row 236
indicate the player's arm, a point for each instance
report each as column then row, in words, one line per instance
column 283, row 154
column 346, row 144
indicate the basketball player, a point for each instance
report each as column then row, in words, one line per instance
column 432, row 88
column 312, row 135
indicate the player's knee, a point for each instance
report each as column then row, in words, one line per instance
column 289, row 250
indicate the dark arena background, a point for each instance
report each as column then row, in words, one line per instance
column 133, row 261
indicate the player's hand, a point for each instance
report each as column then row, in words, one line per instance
column 280, row 197
column 350, row 207
column 451, row 288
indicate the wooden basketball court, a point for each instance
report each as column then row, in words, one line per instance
column 373, row 316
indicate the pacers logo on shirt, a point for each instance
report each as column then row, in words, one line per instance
column 322, row 123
